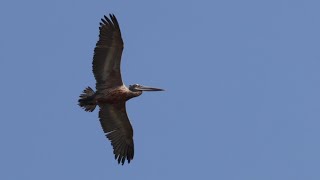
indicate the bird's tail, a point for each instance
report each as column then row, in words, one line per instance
column 86, row 100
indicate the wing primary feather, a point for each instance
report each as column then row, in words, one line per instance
column 119, row 159
column 116, row 145
column 114, row 137
column 104, row 22
column 109, row 22
column 122, row 150
column 115, row 21
column 123, row 159
column 124, row 155
column 119, row 146
column 116, row 156
column 105, row 17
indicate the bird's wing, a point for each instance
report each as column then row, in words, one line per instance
column 107, row 54
column 116, row 125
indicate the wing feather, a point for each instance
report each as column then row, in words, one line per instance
column 115, row 123
column 107, row 54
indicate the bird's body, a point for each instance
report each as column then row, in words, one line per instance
column 115, row 95
column 112, row 94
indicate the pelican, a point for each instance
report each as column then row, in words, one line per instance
column 111, row 94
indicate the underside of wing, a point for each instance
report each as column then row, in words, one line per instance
column 107, row 54
column 116, row 125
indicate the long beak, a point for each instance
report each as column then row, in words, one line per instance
column 146, row 88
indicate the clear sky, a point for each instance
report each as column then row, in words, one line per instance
column 242, row 81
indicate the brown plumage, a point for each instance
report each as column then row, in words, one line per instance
column 111, row 94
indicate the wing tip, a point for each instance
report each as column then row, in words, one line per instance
column 122, row 157
column 123, row 149
column 123, row 154
column 105, row 21
column 109, row 21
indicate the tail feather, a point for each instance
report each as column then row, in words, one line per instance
column 86, row 100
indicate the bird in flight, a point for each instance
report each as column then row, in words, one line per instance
column 111, row 94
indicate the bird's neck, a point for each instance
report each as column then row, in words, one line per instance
column 133, row 94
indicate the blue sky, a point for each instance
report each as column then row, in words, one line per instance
column 242, row 81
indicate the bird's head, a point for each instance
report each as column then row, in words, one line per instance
column 140, row 88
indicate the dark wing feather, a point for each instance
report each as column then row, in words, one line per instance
column 107, row 54
column 116, row 125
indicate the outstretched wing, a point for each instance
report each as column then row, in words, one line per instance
column 107, row 54
column 116, row 125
